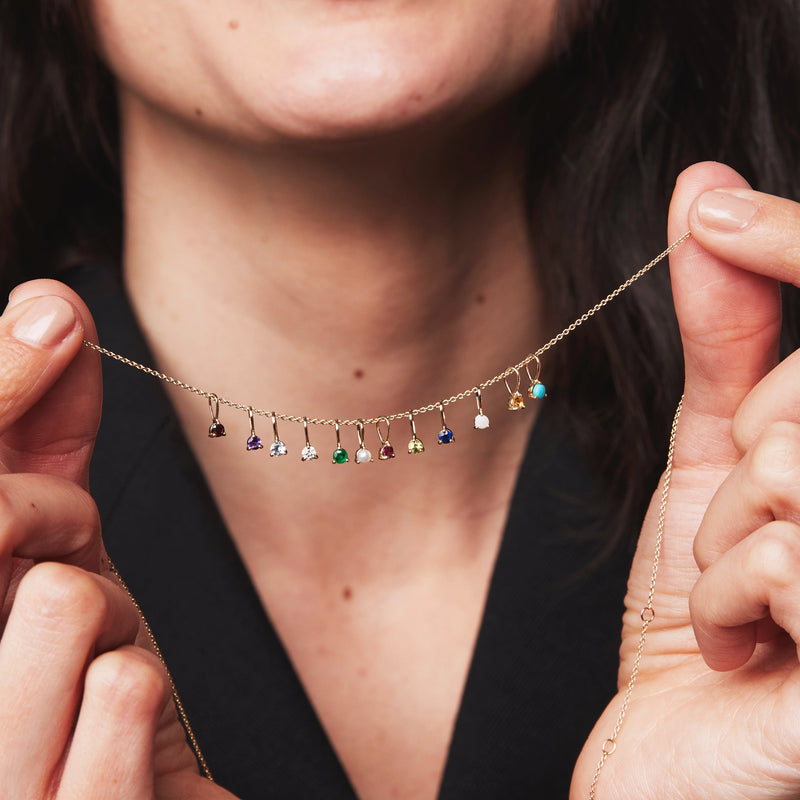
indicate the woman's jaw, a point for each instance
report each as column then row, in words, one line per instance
column 322, row 70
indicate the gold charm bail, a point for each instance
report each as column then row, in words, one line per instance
column 387, row 451
column 309, row 452
column 445, row 434
column 253, row 441
column 415, row 446
column 277, row 448
column 515, row 400
column 537, row 390
column 363, row 456
column 340, row 455
column 216, row 429
column 481, row 420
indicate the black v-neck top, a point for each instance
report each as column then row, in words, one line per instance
column 544, row 664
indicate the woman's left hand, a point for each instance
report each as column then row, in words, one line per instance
column 716, row 708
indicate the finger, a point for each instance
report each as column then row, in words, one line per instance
column 61, row 617
column 749, row 229
column 764, row 486
column 111, row 754
column 755, row 580
column 44, row 517
column 729, row 319
column 51, row 429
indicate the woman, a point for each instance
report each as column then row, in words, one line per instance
column 328, row 206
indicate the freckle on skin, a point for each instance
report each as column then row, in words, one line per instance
column 358, row 373
column 233, row 24
column 480, row 299
column 198, row 112
column 347, row 593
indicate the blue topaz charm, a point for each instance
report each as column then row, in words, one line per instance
column 537, row 390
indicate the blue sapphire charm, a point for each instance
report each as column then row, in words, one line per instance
column 445, row 434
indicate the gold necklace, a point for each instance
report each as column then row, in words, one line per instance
column 516, row 401
column 536, row 390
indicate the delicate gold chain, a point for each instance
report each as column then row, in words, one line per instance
column 157, row 650
column 400, row 414
column 648, row 613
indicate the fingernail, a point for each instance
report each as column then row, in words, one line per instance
column 723, row 211
column 47, row 322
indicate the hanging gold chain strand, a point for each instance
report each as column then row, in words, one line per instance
column 648, row 613
column 399, row 414
column 157, row 650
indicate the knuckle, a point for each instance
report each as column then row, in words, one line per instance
column 62, row 596
column 8, row 521
column 774, row 464
column 774, row 558
column 128, row 681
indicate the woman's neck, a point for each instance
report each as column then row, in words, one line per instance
column 340, row 281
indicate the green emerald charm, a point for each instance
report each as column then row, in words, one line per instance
column 340, row 456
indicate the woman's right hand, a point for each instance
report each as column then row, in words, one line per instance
column 85, row 707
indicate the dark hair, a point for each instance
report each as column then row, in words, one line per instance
column 640, row 91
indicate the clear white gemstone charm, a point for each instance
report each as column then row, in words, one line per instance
column 481, row 420
column 309, row 452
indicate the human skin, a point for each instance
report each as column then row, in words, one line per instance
column 293, row 222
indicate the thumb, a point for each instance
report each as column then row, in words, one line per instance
column 56, row 434
column 730, row 323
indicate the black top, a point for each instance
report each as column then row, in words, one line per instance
column 546, row 657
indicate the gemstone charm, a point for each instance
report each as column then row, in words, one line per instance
column 340, row 455
column 363, row 456
column 536, row 391
column 277, row 448
column 387, row 451
column 516, row 402
column 216, row 429
column 445, row 434
column 308, row 453
column 481, row 420
column 253, row 441
column 415, row 446
column 515, row 399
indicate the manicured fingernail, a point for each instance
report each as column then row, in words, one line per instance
column 47, row 322
column 723, row 211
